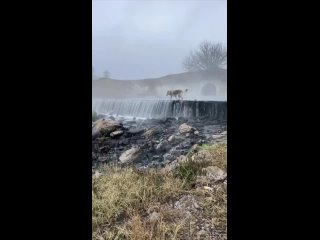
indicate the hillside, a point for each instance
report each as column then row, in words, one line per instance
column 194, row 81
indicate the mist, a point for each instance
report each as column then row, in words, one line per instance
column 150, row 39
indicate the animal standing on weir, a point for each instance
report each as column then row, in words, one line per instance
column 176, row 93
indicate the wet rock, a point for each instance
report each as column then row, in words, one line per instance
column 159, row 121
column 179, row 138
column 102, row 159
column 217, row 136
column 150, row 133
column 129, row 122
column 170, row 120
column 182, row 119
column 160, row 142
column 104, row 127
column 124, row 142
column 116, row 133
column 184, row 145
column 168, row 157
column 130, row 155
column 135, row 131
column 171, row 138
column 163, row 146
column 185, row 128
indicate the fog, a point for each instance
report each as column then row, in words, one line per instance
column 150, row 39
column 200, row 85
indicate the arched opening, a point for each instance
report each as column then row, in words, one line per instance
column 209, row 89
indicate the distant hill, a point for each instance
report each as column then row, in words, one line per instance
column 157, row 87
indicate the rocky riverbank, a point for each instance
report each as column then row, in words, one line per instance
column 151, row 143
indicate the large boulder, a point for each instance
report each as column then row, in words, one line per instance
column 103, row 127
column 185, row 128
column 130, row 155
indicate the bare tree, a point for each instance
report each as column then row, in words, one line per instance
column 208, row 56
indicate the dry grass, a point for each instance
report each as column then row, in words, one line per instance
column 122, row 191
column 214, row 155
column 123, row 200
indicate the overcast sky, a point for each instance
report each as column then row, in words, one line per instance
column 144, row 39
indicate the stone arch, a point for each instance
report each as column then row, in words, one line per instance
column 209, row 89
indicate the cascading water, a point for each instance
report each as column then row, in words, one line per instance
column 159, row 108
column 132, row 107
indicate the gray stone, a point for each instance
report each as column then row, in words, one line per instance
column 217, row 136
column 164, row 145
column 135, row 131
column 104, row 127
column 171, row 138
column 102, row 159
column 185, row 128
column 130, row 155
column 187, row 202
column 213, row 173
column 116, row 133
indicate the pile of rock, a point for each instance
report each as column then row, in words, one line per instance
column 148, row 143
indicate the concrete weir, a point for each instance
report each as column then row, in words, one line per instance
column 204, row 109
column 155, row 108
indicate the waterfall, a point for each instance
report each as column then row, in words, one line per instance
column 159, row 108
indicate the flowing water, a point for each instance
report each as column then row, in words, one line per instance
column 160, row 108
